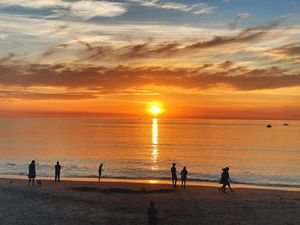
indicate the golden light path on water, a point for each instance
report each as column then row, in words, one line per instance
column 154, row 153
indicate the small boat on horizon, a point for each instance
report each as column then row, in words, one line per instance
column 269, row 126
column 285, row 124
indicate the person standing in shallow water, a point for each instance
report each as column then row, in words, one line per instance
column 32, row 173
column 225, row 180
column 152, row 214
column 100, row 171
column 184, row 174
column 57, row 172
column 174, row 175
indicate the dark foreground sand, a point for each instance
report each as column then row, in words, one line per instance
column 84, row 203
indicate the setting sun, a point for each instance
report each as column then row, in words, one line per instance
column 155, row 109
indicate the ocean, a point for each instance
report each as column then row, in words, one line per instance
column 146, row 148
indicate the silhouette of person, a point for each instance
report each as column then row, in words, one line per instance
column 225, row 180
column 174, row 175
column 184, row 174
column 222, row 181
column 57, row 171
column 152, row 214
column 100, row 171
column 32, row 173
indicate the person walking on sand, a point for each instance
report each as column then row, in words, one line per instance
column 222, row 181
column 32, row 173
column 100, row 171
column 225, row 180
column 152, row 214
column 184, row 174
column 57, row 172
column 174, row 175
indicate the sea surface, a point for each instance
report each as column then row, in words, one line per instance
column 146, row 148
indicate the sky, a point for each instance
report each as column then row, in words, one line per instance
column 225, row 59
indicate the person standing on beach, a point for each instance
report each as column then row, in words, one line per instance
column 57, row 172
column 184, row 174
column 225, row 180
column 174, row 175
column 32, row 173
column 100, row 171
column 152, row 214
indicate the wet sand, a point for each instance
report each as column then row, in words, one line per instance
column 112, row 203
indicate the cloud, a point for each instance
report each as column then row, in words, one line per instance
column 7, row 58
column 35, row 4
column 60, row 28
column 85, row 9
column 120, row 78
column 52, row 50
column 89, row 9
column 245, row 36
column 28, row 95
column 3, row 36
column 200, row 8
column 290, row 52
column 233, row 24
column 171, row 49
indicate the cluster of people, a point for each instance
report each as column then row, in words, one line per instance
column 183, row 173
column 152, row 210
column 225, row 180
column 57, row 168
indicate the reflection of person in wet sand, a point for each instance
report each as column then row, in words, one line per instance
column 174, row 175
column 32, row 173
column 152, row 213
column 184, row 174
column 225, row 180
column 100, row 171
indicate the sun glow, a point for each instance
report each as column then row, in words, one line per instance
column 155, row 110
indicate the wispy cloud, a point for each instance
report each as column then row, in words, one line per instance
column 35, row 4
column 85, row 9
column 89, row 9
column 52, row 50
column 233, row 24
column 7, row 58
column 172, row 49
column 200, row 8
column 289, row 52
column 33, row 95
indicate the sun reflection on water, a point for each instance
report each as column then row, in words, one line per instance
column 154, row 153
column 153, row 181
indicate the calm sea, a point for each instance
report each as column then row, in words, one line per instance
column 146, row 148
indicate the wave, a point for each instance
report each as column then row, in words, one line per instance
column 259, row 184
column 11, row 164
column 193, row 180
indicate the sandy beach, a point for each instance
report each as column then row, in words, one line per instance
column 112, row 203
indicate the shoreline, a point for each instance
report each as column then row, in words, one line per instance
column 115, row 203
column 154, row 182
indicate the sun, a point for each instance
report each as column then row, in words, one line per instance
column 155, row 110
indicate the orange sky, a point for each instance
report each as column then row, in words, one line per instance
column 197, row 61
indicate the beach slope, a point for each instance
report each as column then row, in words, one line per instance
column 84, row 203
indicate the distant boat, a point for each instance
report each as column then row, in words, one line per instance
column 285, row 124
column 269, row 126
